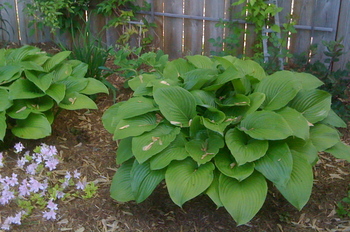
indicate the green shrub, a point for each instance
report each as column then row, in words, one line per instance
column 224, row 128
column 33, row 83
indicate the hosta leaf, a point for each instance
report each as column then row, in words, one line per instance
column 214, row 115
column 305, row 148
column 243, row 148
column 185, row 180
column 62, row 72
column 213, row 190
column 266, row 125
column 256, row 99
column 323, row 137
column 250, row 68
column 137, row 106
column 76, row 101
column 313, row 104
column 196, row 79
column 3, row 125
column 227, row 165
column 8, row 72
column 141, row 81
column 218, row 127
column 111, row 117
column 243, row 199
column 74, row 84
column 176, row 68
column 135, row 126
column 121, row 183
column 203, row 151
column 334, row 120
column 19, row 109
column 41, row 104
column 176, row 104
column 79, row 68
column 340, row 151
column 279, row 88
column 150, row 143
column 124, row 152
column 235, row 100
column 176, row 151
column 307, row 80
column 231, row 73
column 144, row 180
column 200, row 61
column 277, row 164
column 94, row 86
column 22, row 53
column 5, row 102
column 30, row 65
column 35, row 126
column 24, row 89
column 57, row 92
column 204, row 98
column 39, row 58
column 55, row 60
column 43, row 82
column 298, row 189
column 296, row 121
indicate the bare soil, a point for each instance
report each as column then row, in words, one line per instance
column 85, row 145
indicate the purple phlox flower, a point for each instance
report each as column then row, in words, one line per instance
column 6, row 224
column 21, row 162
column 12, row 181
column 60, row 194
column 37, row 157
column 6, row 196
column 65, row 184
column 48, row 151
column 23, row 188
column 17, row 218
column 76, row 174
column 68, row 175
column 49, row 215
column 51, row 205
column 1, row 160
column 81, row 185
column 51, row 163
column 34, row 185
column 18, row 147
column 31, row 168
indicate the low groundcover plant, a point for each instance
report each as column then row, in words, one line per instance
column 224, row 128
column 34, row 184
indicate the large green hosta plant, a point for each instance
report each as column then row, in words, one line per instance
column 224, row 128
column 33, row 83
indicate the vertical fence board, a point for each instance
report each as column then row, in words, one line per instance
column 326, row 15
column 159, row 21
column 214, row 9
column 236, row 13
column 303, row 12
column 193, row 29
column 173, row 29
column 284, row 17
column 10, row 26
column 343, row 33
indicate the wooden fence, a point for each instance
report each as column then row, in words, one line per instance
column 185, row 26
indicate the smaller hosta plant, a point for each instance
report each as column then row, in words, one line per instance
column 224, row 128
column 32, row 84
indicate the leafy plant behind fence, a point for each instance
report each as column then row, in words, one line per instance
column 32, row 84
column 224, row 128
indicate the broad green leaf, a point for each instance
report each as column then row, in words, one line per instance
column 200, row 61
column 235, row 100
column 256, row 99
column 74, row 84
column 202, row 151
column 307, row 80
column 124, row 152
column 35, row 126
column 137, row 106
column 144, row 180
column 79, row 68
column 231, row 73
column 176, row 68
column 228, row 166
column 277, row 164
column 250, row 68
column 185, row 180
column 30, row 65
column 196, row 79
column 39, row 58
column 323, row 136
column 40, row 104
column 49, row 116
column 243, row 199
column 8, row 72
column 244, row 148
column 19, row 109
column 298, row 189
column 279, row 88
column 77, row 101
column 266, row 125
column 121, row 183
column 150, row 143
column 304, row 147
column 141, row 81
column 94, row 86
column 112, row 116
column 57, row 92
column 225, row 61
column 296, row 121
column 5, row 102
column 313, row 104
column 22, row 53
column 213, row 190
column 214, row 115
column 217, row 127
column 3, row 125
column 24, row 89
column 42, row 81
column 135, row 126
column 204, row 98
column 176, row 151
column 334, row 120
column 340, row 151
column 55, row 60
column 176, row 104
column 62, row 72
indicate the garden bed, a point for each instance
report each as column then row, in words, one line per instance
column 84, row 144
